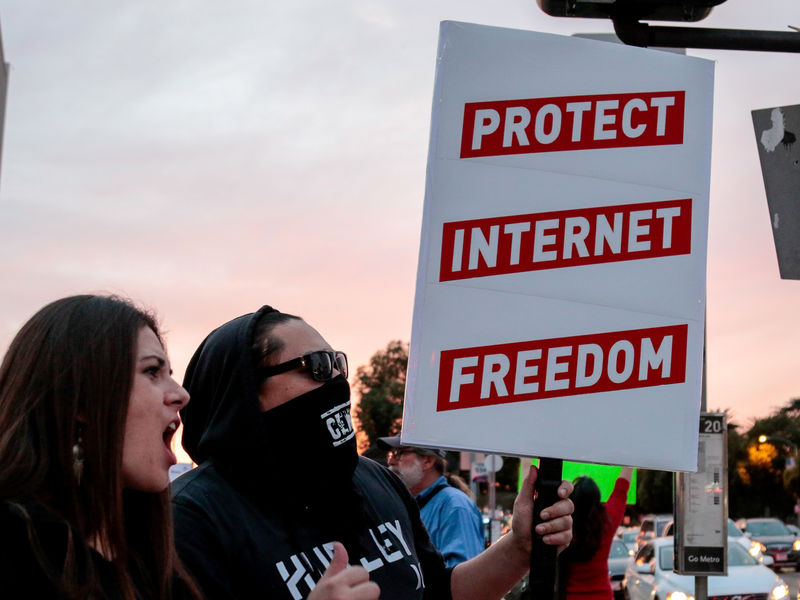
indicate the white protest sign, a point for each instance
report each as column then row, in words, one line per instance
column 560, row 296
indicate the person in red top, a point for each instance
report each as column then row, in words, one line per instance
column 583, row 566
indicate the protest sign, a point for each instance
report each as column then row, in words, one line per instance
column 560, row 298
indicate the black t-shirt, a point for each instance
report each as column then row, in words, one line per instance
column 26, row 574
column 236, row 547
column 33, row 553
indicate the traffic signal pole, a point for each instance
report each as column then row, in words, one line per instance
column 634, row 33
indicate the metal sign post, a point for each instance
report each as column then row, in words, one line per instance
column 493, row 463
column 701, row 516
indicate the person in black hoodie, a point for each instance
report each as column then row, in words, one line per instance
column 279, row 481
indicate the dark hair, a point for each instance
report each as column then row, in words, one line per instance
column 588, row 521
column 67, row 376
column 439, row 464
column 265, row 345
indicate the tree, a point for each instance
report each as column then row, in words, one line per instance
column 742, row 501
column 766, row 480
column 654, row 491
column 381, row 386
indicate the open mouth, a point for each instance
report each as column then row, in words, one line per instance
column 169, row 432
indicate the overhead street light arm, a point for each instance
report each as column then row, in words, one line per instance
column 763, row 439
column 634, row 33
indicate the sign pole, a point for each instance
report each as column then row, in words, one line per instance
column 701, row 581
column 544, row 559
column 492, row 501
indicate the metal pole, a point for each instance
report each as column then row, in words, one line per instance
column 701, row 587
column 473, row 484
column 634, row 33
column 701, row 581
column 492, row 502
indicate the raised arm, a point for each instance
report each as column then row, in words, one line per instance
column 615, row 507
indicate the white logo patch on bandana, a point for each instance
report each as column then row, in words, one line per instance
column 339, row 423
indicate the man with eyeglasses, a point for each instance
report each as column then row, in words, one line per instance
column 450, row 516
column 281, row 500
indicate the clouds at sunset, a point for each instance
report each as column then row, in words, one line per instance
column 206, row 158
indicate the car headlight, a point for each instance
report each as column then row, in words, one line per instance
column 756, row 548
column 779, row 592
column 676, row 595
column 796, row 545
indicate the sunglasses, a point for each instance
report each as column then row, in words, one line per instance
column 320, row 363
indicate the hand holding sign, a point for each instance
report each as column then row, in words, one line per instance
column 500, row 566
column 556, row 527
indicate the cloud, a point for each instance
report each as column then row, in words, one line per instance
column 208, row 157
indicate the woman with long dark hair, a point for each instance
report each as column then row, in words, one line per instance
column 583, row 566
column 88, row 408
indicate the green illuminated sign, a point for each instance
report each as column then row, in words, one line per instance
column 604, row 475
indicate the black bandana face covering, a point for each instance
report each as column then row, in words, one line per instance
column 309, row 447
column 312, row 436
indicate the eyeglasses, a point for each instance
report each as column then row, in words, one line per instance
column 321, row 363
column 396, row 453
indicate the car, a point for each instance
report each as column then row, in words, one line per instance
column 794, row 529
column 618, row 559
column 628, row 537
column 778, row 541
column 650, row 576
column 652, row 526
column 754, row 548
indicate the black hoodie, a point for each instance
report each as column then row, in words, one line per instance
column 245, row 533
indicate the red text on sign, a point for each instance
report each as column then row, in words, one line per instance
column 585, row 364
column 568, row 238
column 572, row 123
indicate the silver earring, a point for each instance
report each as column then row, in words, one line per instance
column 77, row 459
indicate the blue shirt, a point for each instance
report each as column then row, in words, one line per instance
column 453, row 522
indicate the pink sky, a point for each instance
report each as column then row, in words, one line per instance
column 205, row 159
